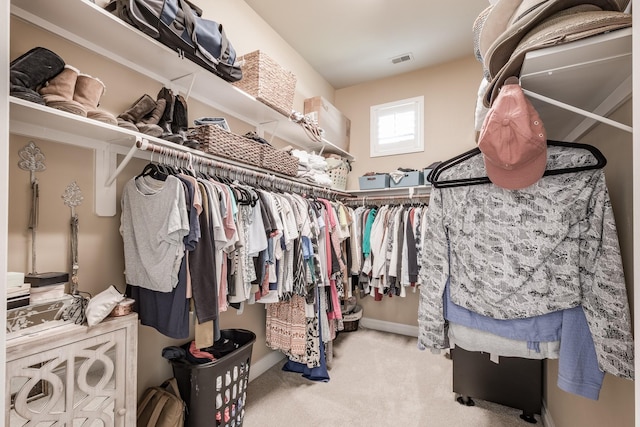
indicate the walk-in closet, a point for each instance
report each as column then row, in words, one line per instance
column 281, row 236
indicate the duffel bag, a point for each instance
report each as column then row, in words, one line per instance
column 176, row 24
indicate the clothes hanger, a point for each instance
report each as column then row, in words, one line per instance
column 435, row 172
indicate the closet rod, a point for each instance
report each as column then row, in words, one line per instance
column 391, row 199
column 577, row 110
column 242, row 172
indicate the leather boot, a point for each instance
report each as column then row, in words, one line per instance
column 58, row 92
column 87, row 93
column 31, row 70
column 167, row 116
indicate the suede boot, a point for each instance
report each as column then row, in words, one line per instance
column 58, row 92
column 31, row 70
column 87, row 93
column 140, row 108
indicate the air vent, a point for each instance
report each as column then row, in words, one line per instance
column 402, row 58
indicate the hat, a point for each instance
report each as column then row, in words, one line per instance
column 509, row 21
column 562, row 27
column 513, row 140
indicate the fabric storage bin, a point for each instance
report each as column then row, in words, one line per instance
column 374, row 182
column 264, row 79
column 216, row 392
column 219, row 142
column 278, row 161
column 410, row 179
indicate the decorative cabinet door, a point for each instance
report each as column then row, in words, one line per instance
column 74, row 376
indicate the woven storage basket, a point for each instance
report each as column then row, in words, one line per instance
column 267, row 81
column 338, row 176
column 351, row 320
column 219, row 142
column 279, row 161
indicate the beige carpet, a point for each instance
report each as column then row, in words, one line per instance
column 377, row 379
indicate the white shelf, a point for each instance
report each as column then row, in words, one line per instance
column 90, row 26
column 592, row 75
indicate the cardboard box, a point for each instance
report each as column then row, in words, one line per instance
column 336, row 126
column 410, row 179
column 374, row 182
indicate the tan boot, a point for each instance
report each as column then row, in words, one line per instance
column 88, row 92
column 58, row 93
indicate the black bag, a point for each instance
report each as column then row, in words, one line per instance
column 177, row 25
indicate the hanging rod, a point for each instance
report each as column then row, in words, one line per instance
column 239, row 172
column 390, row 199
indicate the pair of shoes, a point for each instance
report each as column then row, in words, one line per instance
column 76, row 93
column 144, row 116
column 31, row 70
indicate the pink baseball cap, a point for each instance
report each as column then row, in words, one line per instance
column 513, row 140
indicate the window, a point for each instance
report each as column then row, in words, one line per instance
column 397, row 127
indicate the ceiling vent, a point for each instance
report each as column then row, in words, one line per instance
column 402, row 58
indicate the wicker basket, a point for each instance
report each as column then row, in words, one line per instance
column 351, row 320
column 267, row 81
column 219, row 142
column 338, row 176
column 279, row 161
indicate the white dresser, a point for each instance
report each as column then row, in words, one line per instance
column 74, row 375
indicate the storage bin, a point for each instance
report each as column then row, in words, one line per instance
column 264, row 79
column 351, row 320
column 428, row 170
column 410, row 179
column 374, row 182
column 216, row 392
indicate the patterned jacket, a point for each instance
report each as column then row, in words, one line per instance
column 513, row 254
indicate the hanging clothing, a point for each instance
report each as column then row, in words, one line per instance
column 514, row 254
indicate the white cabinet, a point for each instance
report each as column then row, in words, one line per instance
column 74, row 375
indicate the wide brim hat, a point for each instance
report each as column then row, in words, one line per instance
column 568, row 25
column 508, row 21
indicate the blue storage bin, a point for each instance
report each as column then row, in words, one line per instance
column 374, row 182
column 410, row 179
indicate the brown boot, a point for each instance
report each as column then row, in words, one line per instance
column 143, row 106
column 58, row 93
column 88, row 92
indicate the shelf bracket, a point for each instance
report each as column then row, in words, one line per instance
column 578, row 111
column 189, row 86
column 260, row 128
column 106, row 170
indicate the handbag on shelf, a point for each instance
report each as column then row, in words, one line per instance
column 178, row 25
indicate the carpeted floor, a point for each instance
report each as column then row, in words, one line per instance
column 378, row 379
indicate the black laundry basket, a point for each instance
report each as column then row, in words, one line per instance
column 216, row 392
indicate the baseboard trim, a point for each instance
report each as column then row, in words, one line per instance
column 546, row 416
column 263, row 365
column 396, row 328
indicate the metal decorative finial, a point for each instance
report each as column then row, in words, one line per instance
column 72, row 197
column 32, row 160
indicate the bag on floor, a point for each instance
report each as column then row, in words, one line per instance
column 178, row 25
column 161, row 406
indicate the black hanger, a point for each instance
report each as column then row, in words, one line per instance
column 155, row 171
column 435, row 172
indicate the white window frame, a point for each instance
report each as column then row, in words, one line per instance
column 410, row 145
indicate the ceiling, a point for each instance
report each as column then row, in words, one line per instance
column 351, row 42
